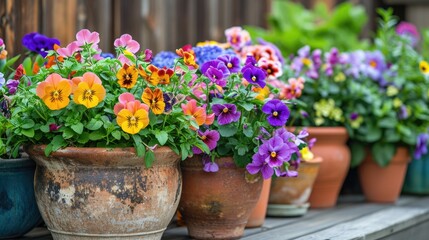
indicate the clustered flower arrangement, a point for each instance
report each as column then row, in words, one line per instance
column 80, row 98
column 212, row 99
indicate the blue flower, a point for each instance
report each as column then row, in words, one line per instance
column 164, row 59
column 39, row 43
column 207, row 53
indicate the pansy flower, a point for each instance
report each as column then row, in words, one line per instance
column 188, row 57
column 237, row 37
column 254, row 75
column 208, row 165
column 259, row 164
column 124, row 99
column 127, row 76
column 89, row 91
column 277, row 111
column 231, row 62
column 54, row 91
column 272, row 68
column 198, row 114
column 424, row 67
column 154, row 99
column 216, row 71
column 226, row 113
column 133, row 118
column 160, row 76
column 210, row 138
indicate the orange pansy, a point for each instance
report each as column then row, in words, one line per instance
column 155, row 100
column 127, row 76
column 54, row 91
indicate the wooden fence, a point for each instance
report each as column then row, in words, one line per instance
column 155, row 24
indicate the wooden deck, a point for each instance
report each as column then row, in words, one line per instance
column 352, row 218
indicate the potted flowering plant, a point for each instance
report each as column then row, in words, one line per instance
column 397, row 113
column 19, row 209
column 106, row 132
column 247, row 137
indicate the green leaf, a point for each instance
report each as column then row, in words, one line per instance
column 382, row 153
column 227, row 130
column 83, row 138
column 149, row 157
column 138, row 143
column 116, row 134
column 45, row 128
column 247, row 106
column 67, row 133
column 28, row 132
column 241, row 150
column 184, row 148
column 27, row 64
column 248, row 132
column 28, row 123
column 78, row 128
column 387, row 122
column 373, row 134
column 162, row 137
column 96, row 136
column 94, row 124
column 358, row 153
column 57, row 143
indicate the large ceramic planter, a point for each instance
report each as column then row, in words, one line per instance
column 97, row 193
column 332, row 148
column 217, row 205
column 257, row 217
column 18, row 208
column 383, row 185
column 417, row 176
column 289, row 196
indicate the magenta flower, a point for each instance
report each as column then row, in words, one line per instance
column 126, row 41
column 53, row 127
column 259, row 165
column 226, row 113
column 210, row 138
column 278, row 112
column 231, row 62
column 216, row 76
column 12, row 85
column 209, row 166
column 409, row 31
column 85, row 36
column 69, row 50
column 254, row 75
column 148, row 55
column 215, row 67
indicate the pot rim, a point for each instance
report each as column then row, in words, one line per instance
column 23, row 162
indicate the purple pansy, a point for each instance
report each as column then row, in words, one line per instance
column 39, row 43
column 210, row 138
column 259, row 165
column 216, row 76
column 254, row 75
column 375, row 65
column 226, row 113
column 216, row 66
column 421, row 146
column 288, row 173
column 208, row 165
column 12, row 85
column 275, row 151
column 231, row 62
column 278, row 112
column 403, row 113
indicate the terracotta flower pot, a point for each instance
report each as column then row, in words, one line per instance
column 332, row 148
column 97, row 193
column 383, row 185
column 18, row 208
column 289, row 196
column 217, row 205
column 257, row 217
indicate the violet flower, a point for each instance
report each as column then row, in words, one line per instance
column 226, row 113
column 148, row 55
column 254, row 75
column 231, row 62
column 12, row 85
column 260, row 165
column 209, row 166
column 275, row 152
column 216, row 67
column 216, row 76
column 278, row 112
column 39, row 43
column 210, row 138
column 288, row 173
column 421, row 146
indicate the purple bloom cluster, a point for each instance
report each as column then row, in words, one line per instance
column 272, row 155
column 12, row 85
column 39, row 43
column 421, row 146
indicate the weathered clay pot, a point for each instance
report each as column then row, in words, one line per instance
column 97, row 193
column 18, row 207
column 257, row 217
column 217, row 205
column 289, row 196
column 383, row 185
column 332, row 148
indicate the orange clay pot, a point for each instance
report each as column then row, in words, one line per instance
column 383, row 185
column 289, row 196
column 217, row 205
column 332, row 148
column 257, row 217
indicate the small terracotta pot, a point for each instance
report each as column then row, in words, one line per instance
column 332, row 148
column 289, row 196
column 98, row 193
column 257, row 217
column 383, row 185
column 217, row 205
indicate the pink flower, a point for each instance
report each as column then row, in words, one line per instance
column 125, row 99
column 237, row 37
column 84, row 36
column 69, row 50
column 128, row 43
column 148, row 55
column 124, row 60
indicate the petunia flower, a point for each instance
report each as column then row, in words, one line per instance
column 278, row 112
column 54, row 91
column 127, row 76
column 69, row 50
column 154, row 99
column 133, row 118
column 226, row 113
column 259, row 164
column 90, row 92
column 210, row 138
column 126, row 41
column 85, row 36
column 254, row 75
column 197, row 113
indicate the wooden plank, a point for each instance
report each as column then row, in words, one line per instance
column 374, row 226
column 418, row 232
column 59, row 19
